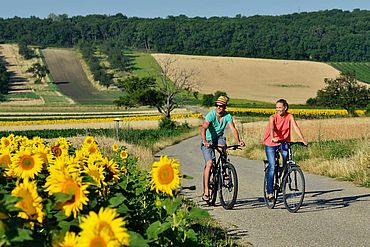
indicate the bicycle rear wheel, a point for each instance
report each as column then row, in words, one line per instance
column 212, row 185
column 229, row 187
column 293, row 189
column 270, row 203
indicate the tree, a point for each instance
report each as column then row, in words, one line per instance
column 344, row 92
column 162, row 95
column 139, row 91
column 173, row 81
column 39, row 71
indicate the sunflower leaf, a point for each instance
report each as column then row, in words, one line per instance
column 156, row 228
column 64, row 225
column 197, row 213
column 191, row 235
column 117, row 200
column 62, row 197
column 136, row 240
column 23, row 235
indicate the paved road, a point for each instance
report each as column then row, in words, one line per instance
column 334, row 213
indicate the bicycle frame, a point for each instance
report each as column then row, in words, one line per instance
column 287, row 175
column 224, row 178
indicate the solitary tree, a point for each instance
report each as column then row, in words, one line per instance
column 39, row 71
column 173, row 81
column 344, row 92
column 161, row 94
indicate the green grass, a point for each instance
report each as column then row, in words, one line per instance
column 361, row 69
column 25, row 95
column 144, row 64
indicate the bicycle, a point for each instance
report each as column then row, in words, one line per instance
column 288, row 179
column 223, row 178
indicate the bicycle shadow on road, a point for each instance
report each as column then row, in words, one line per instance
column 249, row 203
column 314, row 202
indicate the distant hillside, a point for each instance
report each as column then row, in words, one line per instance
column 256, row 79
column 330, row 35
column 71, row 80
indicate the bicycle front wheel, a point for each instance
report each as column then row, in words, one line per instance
column 293, row 189
column 229, row 187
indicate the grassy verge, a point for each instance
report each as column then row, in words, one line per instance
column 338, row 148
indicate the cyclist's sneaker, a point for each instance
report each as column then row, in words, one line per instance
column 270, row 197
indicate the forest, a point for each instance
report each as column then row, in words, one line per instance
column 329, row 35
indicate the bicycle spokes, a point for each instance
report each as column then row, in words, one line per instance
column 229, row 186
column 293, row 189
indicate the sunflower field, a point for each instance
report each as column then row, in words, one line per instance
column 54, row 194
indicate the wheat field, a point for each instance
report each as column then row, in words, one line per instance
column 255, row 79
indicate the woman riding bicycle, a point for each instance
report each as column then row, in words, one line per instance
column 212, row 133
column 278, row 128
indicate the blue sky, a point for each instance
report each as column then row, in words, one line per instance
column 163, row 8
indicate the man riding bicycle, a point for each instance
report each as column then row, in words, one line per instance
column 212, row 133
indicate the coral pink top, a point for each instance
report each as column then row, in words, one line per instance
column 281, row 130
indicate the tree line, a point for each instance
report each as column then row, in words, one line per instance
column 330, row 35
column 4, row 81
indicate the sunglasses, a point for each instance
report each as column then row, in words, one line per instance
column 218, row 105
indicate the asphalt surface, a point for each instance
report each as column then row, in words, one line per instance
column 334, row 213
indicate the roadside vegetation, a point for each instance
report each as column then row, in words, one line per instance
column 53, row 202
column 338, row 147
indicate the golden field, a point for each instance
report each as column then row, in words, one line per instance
column 255, row 79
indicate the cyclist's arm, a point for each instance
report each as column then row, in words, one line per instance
column 203, row 129
column 236, row 134
column 272, row 128
column 298, row 130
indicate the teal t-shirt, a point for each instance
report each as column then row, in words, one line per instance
column 216, row 128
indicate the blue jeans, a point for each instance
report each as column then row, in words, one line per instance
column 270, row 154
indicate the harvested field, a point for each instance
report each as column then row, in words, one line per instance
column 315, row 130
column 256, row 79
column 70, row 78
column 21, row 82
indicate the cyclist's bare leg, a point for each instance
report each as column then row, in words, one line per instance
column 206, row 172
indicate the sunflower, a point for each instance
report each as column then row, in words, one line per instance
column 165, row 175
column 25, row 164
column 91, row 148
column 37, row 141
column 123, row 154
column 31, row 202
column 5, row 158
column 106, row 221
column 92, row 239
column 60, row 147
column 115, row 147
column 5, row 142
column 59, row 151
column 96, row 173
column 70, row 184
column 111, row 170
column 45, row 154
column 70, row 240
column 89, row 140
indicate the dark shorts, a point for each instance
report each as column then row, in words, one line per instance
column 209, row 153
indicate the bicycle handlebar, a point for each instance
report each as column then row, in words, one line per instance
column 233, row 147
column 292, row 143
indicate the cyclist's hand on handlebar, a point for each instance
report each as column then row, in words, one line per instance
column 241, row 143
column 206, row 144
column 305, row 142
